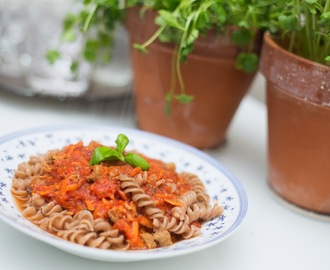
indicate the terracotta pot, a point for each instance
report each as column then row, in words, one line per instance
column 298, row 99
column 209, row 75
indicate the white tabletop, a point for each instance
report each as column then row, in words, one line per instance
column 272, row 236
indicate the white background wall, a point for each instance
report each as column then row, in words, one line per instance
column 258, row 87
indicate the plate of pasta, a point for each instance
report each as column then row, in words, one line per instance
column 116, row 194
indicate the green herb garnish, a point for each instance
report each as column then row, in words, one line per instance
column 104, row 153
column 180, row 22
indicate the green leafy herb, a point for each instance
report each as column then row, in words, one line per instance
column 247, row 62
column 104, row 153
column 304, row 25
column 52, row 56
column 74, row 67
column 140, row 47
column 180, row 22
column 184, row 99
column 241, row 37
column 121, row 141
column 288, row 22
column 136, row 161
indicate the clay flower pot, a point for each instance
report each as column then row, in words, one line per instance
column 298, row 98
column 210, row 76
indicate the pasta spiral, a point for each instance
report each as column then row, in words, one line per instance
column 203, row 211
column 111, row 205
column 85, row 231
column 186, row 199
column 176, row 226
column 129, row 185
column 197, row 186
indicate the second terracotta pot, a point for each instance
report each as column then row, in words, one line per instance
column 298, row 99
column 209, row 75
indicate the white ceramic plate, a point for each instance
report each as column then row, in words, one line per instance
column 220, row 184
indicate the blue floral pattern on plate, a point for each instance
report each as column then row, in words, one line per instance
column 221, row 184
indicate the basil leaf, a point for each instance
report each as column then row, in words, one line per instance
column 121, row 141
column 137, row 161
column 102, row 153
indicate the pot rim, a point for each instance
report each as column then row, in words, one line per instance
column 294, row 74
column 271, row 41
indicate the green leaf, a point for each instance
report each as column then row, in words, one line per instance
column 140, row 47
column 69, row 36
column 184, row 52
column 70, row 21
column 52, row 56
column 165, row 37
column 288, row 23
column 325, row 20
column 202, row 21
column 193, row 35
column 248, row 62
column 312, row 6
column 74, row 67
column 221, row 14
column 91, row 50
column 184, row 98
column 327, row 59
column 241, row 37
column 170, row 19
column 121, row 141
column 103, row 153
column 160, row 21
column 137, row 161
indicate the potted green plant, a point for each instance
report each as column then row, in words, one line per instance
column 295, row 62
column 198, row 59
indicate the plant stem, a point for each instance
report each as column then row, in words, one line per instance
column 154, row 36
column 314, row 32
column 173, row 69
column 178, row 71
column 294, row 34
column 89, row 18
column 309, row 53
column 327, row 42
column 178, row 60
column 327, row 5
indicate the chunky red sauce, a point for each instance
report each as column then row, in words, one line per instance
column 69, row 180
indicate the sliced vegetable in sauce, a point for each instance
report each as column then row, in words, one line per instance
column 104, row 153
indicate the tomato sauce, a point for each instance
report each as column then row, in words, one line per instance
column 69, row 180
